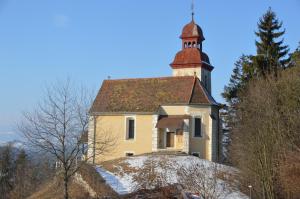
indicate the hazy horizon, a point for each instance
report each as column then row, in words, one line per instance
column 46, row 41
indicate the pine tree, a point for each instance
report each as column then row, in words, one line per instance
column 271, row 57
column 240, row 75
column 271, row 53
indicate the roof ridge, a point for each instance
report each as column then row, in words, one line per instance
column 205, row 91
column 192, row 89
column 148, row 78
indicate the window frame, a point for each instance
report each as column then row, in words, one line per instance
column 127, row 119
column 194, row 127
column 131, row 129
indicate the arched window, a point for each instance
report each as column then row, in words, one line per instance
column 194, row 45
column 185, row 45
column 189, row 44
column 198, row 45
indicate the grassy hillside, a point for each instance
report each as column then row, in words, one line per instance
column 54, row 188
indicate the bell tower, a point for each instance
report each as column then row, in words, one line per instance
column 191, row 60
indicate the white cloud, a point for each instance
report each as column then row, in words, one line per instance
column 7, row 133
column 61, row 20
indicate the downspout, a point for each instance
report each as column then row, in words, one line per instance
column 218, row 136
column 94, row 140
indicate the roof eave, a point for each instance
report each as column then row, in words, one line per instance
column 192, row 65
column 150, row 112
column 122, row 113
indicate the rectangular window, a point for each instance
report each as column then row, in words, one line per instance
column 197, row 132
column 130, row 129
column 196, row 154
column 129, row 154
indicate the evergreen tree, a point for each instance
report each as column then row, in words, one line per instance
column 271, row 56
column 271, row 53
column 240, row 74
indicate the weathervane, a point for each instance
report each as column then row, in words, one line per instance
column 192, row 8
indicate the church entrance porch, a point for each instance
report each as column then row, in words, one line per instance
column 171, row 133
column 171, row 139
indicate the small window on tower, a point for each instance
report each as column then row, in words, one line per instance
column 205, row 81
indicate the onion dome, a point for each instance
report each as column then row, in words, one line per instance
column 192, row 30
column 191, row 55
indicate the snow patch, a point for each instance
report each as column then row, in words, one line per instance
column 121, row 185
column 122, row 182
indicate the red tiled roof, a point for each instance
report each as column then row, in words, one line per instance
column 171, row 121
column 192, row 30
column 147, row 94
column 191, row 57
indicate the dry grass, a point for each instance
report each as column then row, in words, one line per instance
column 54, row 190
column 115, row 165
column 96, row 182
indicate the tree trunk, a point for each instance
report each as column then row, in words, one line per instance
column 66, row 191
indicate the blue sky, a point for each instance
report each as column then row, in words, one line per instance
column 43, row 41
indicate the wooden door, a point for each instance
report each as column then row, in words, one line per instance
column 170, row 139
column 179, row 139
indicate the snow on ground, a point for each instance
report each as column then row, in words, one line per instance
column 120, row 184
column 121, row 180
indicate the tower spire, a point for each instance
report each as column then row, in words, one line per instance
column 192, row 9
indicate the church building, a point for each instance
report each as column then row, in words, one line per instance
column 160, row 114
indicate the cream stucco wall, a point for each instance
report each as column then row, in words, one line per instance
column 115, row 125
column 187, row 72
column 201, row 145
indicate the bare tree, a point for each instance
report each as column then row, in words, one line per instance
column 149, row 176
column 157, row 171
column 206, row 180
column 57, row 124
column 265, row 138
